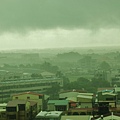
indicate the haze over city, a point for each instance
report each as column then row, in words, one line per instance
column 59, row 59
column 56, row 24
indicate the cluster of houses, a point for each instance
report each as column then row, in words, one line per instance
column 80, row 104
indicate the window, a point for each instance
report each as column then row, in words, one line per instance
column 109, row 98
column 40, row 97
column 28, row 97
column 21, row 107
column 11, row 109
column 16, row 97
column 12, row 116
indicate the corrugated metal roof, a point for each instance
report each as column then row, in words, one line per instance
column 68, row 94
column 74, row 99
column 85, row 96
column 112, row 94
column 58, row 102
column 90, row 94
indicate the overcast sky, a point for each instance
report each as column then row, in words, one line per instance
column 59, row 23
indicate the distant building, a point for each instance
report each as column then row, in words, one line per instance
column 22, row 85
column 48, row 75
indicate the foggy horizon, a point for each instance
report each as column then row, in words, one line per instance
column 45, row 24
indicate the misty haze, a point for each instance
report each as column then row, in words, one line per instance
column 59, row 60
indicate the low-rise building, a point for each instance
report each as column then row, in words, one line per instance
column 32, row 96
column 85, row 100
column 58, row 105
column 51, row 115
column 79, row 102
column 3, row 111
column 110, row 116
column 105, row 102
column 48, row 75
column 18, row 110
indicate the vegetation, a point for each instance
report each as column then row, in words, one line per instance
column 86, row 69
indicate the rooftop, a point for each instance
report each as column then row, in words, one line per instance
column 51, row 114
column 14, row 103
column 74, row 117
column 32, row 93
column 58, row 102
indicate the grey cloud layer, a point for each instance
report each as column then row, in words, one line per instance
column 43, row 14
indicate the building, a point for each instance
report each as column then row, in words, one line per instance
column 58, row 105
column 70, row 94
column 85, row 100
column 23, row 85
column 40, row 99
column 110, row 116
column 117, row 91
column 48, row 75
column 3, row 111
column 51, row 115
column 80, row 102
column 105, row 102
column 75, row 117
column 33, row 109
column 18, row 110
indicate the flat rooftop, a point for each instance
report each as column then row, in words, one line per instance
column 75, row 117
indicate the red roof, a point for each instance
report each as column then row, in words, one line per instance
column 73, row 104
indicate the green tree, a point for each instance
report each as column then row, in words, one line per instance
column 105, row 66
column 35, row 75
column 53, row 91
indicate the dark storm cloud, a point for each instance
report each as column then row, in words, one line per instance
column 44, row 14
column 59, row 23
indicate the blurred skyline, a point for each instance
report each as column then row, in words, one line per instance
column 29, row 24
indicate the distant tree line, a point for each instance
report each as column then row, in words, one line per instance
column 46, row 66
